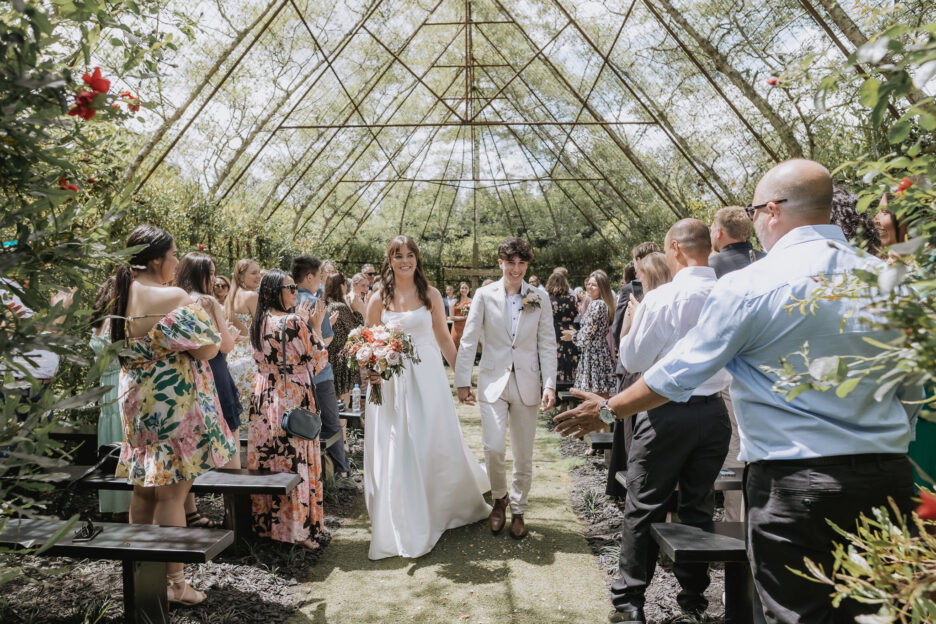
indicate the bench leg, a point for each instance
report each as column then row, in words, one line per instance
column 144, row 589
column 237, row 518
column 739, row 593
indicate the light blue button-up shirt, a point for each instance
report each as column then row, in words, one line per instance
column 744, row 326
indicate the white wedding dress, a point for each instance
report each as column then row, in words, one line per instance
column 420, row 478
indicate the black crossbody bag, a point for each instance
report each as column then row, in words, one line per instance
column 299, row 422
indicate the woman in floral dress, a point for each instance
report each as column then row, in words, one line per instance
column 460, row 312
column 296, row 517
column 595, row 372
column 564, row 312
column 173, row 428
column 239, row 307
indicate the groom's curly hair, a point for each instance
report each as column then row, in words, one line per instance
column 515, row 247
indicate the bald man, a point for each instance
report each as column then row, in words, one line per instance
column 815, row 457
column 678, row 443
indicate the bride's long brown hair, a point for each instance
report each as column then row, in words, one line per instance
column 386, row 272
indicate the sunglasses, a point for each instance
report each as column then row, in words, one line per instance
column 371, row 274
column 750, row 210
column 291, row 288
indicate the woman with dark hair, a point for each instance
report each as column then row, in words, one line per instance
column 168, row 401
column 460, row 312
column 859, row 228
column 336, row 292
column 297, row 517
column 112, row 503
column 420, row 478
column 564, row 312
column 195, row 275
column 239, row 307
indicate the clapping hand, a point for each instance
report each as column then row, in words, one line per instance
column 234, row 331
column 333, row 317
column 568, row 335
column 304, row 310
column 318, row 314
column 582, row 419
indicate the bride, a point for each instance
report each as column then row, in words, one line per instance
column 420, row 478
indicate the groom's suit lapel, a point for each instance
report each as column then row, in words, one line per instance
column 501, row 299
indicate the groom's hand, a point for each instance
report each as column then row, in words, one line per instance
column 583, row 419
column 549, row 400
column 466, row 396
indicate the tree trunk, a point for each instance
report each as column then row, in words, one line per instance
column 168, row 123
column 783, row 129
column 857, row 38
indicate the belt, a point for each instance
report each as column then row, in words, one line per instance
column 703, row 399
column 832, row 460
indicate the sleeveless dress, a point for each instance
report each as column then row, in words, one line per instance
column 173, row 428
column 420, row 478
column 110, row 429
column 242, row 365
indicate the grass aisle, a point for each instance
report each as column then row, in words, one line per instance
column 471, row 575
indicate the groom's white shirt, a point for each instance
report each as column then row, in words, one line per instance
column 530, row 354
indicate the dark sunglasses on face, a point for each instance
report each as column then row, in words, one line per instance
column 371, row 274
column 291, row 288
column 750, row 210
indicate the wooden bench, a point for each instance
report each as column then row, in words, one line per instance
column 82, row 442
column 685, row 544
column 236, row 485
column 143, row 549
column 564, row 396
column 600, row 440
column 351, row 414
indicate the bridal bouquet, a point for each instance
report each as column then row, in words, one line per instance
column 380, row 349
column 462, row 309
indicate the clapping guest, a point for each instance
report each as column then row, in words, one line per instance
column 460, row 312
column 239, row 308
column 595, row 371
column 297, row 517
column 564, row 312
column 357, row 298
column 168, row 401
column 110, row 428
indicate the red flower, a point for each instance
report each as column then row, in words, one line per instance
column 201, row 247
column 91, row 180
column 65, row 186
column 367, row 335
column 84, row 105
column 772, row 81
column 97, row 83
column 133, row 103
column 927, row 508
column 904, row 184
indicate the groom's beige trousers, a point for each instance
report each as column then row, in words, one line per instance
column 509, row 410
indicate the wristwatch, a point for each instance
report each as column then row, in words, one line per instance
column 605, row 413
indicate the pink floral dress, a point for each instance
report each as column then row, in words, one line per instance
column 299, row 515
column 172, row 422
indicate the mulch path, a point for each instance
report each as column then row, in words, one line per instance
column 262, row 584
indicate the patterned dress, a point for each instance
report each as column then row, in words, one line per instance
column 345, row 378
column 242, row 365
column 298, row 515
column 564, row 313
column 173, row 429
column 595, row 372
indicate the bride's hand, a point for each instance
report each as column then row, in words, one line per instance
column 374, row 377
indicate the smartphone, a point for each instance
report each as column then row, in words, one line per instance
column 637, row 288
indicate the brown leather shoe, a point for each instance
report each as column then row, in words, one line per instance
column 498, row 515
column 518, row 528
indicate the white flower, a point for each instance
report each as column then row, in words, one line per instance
column 382, row 335
column 354, row 333
column 394, row 358
column 364, row 355
column 381, row 353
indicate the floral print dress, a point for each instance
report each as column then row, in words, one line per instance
column 296, row 516
column 173, row 428
column 242, row 365
column 595, row 372
column 564, row 312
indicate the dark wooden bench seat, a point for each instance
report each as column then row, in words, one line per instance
column 143, row 549
column 236, row 485
column 686, row 544
column 351, row 414
column 600, row 440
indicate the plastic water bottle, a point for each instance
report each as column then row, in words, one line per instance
column 356, row 398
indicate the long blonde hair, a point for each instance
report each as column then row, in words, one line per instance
column 604, row 291
column 654, row 270
column 238, row 278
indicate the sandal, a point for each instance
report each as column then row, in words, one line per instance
column 178, row 596
column 199, row 521
column 311, row 545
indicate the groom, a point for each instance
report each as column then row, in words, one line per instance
column 518, row 374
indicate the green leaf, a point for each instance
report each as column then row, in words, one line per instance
column 798, row 390
column 868, row 94
column 927, row 121
column 847, row 386
column 899, row 132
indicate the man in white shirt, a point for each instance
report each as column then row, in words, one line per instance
column 677, row 443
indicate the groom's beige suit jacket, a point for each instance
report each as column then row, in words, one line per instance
column 531, row 355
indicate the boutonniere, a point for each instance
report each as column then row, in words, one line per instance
column 531, row 301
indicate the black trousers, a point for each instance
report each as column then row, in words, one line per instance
column 787, row 507
column 622, row 435
column 678, row 443
column 331, row 424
